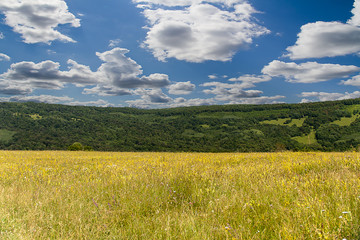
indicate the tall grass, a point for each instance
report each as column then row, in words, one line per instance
column 87, row 195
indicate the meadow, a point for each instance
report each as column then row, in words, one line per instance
column 98, row 195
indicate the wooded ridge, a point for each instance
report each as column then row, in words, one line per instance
column 323, row 126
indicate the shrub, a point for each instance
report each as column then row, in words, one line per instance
column 76, row 146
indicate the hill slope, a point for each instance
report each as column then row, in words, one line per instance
column 326, row 126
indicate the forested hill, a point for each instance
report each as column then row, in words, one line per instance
column 325, row 126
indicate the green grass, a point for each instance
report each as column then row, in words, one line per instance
column 345, row 121
column 281, row 121
column 35, row 116
column 353, row 107
column 6, row 135
column 308, row 139
column 297, row 122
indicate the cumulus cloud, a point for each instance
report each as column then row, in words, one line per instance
column 114, row 77
column 123, row 72
column 4, row 57
column 181, row 88
column 259, row 100
column 310, row 72
column 39, row 99
column 152, row 95
column 196, row 31
column 355, row 20
column 177, row 102
column 324, row 96
column 212, row 76
column 38, row 20
column 354, row 81
column 99, row 103
column 249, row 81
column 103, row 90
column 55, row 100
column 47, row 75
column 13, row 88
column 182, row 102
column 181, row 3
column 234, row 93
column 149, row 97
column 251, row 78
column 226, row 91
column 325, row 39
column 328, row 39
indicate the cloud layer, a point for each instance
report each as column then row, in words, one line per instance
column 38, row 20
column 196, row 31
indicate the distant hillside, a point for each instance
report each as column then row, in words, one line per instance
column 325, row 126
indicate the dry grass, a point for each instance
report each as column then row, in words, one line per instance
column 91, row 195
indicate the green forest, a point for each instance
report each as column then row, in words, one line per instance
column 320, row 126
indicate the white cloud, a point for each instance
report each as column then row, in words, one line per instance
column 234, row 93
column 328, row 39
column 149, row 97
column 4, row 57
column 177, row 102
column 47, row 75
column 115, row 76
column 249, row 81
column 241, row 82
column 310, row 72
column 114, row 43
column 183, row 3
column 38, row 20
column 196, row 31
column 324, row 96
column 355, row 20
column 152, row 95
column 259, row 100
column 14, row 88
column 123, row 72
column 103, row 90
column 2, row 35
column 99, row 103
column 40, row 99
column 55, row 100
column 213, row 76
column 182, row 102
column 181, row 88
column 251, row 78
column 354, row 81
column 325, row 39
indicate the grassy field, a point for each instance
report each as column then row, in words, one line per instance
column 282, row 122
column 308, row 139
column 346, row 121
column 93, row 195
column 6, row 135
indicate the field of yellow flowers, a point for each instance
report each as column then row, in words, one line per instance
column 94, row 195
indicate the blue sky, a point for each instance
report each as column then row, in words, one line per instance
column 171, row 53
